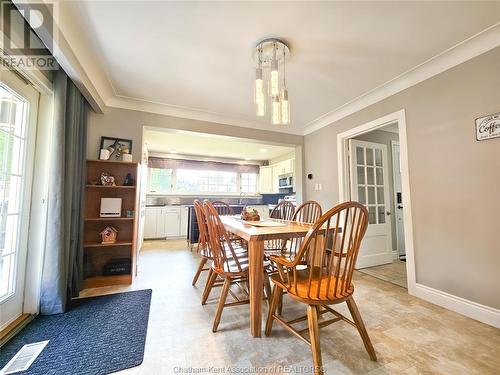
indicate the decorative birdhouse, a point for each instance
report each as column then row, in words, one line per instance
column 108, row 235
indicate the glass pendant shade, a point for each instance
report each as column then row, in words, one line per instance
column 260, row 100
column 285, row 107
column 276, row 111
column 259, row 85
column 274, row 84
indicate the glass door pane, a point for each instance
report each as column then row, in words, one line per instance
column 13, row 123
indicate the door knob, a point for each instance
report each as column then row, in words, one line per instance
column 388, row 213
column 400, row 206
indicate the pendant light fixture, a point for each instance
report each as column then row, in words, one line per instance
column 269, row 55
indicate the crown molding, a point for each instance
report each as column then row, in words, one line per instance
column 474, row 46
column 135, row 104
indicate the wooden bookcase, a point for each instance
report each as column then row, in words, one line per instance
column 96, row 254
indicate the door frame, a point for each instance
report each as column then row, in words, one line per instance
column 395, row 197
column 398, row 117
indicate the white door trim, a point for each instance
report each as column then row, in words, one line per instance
column 343, row 168
column 395, row 199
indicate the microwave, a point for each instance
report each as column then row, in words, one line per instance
column 285, row 181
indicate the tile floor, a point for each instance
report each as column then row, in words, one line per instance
column 394, row 272
column 410, row 336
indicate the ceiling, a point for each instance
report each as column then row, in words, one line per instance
column 194, row 59
column 199, row 144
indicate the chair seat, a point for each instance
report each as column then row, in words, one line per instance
column 302, row 291
column 205, row 252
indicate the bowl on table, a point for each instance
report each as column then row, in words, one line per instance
column 250, row 214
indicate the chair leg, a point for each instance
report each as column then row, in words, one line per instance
column 312, row 319
column 267, row 287
column 280, row 305
column 222, row 302
column 277, row 292
column 353, row 308
column 203, row 261
column 212, row 276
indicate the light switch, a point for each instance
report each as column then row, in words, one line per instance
column 316, row 186
column 320, row 186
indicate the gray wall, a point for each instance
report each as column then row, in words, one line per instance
column 128, row 124
column 454, row 179
column 380, row 136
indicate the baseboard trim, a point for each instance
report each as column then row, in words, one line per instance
column 474, row 310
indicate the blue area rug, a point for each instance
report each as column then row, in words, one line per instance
column 99, row 335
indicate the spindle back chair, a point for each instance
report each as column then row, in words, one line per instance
column 308, row 212
column 228, row 264
column 321, row 275
column 284, row 210
column 223, row 208
column 202, row 248
column 224, row 256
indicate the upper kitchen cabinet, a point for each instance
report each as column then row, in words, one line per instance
column 270, row 175
column 266, row 180
column 285, row 166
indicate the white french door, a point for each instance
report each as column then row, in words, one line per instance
column 18, row 118
column 369, row 185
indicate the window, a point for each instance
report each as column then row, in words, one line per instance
column 248, row 183
column 180, row 176
column 197, row 181
column 160, row 180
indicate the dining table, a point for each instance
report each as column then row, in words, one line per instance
column 256, row 233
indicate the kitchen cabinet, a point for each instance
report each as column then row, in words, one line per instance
column 184, row 221
column 269, row 175
column 276, row 178
column 172, row 219
column 285, row 166
column 162, row 222
column 266, row 179
column 150, row 222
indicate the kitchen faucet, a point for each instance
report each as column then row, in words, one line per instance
column 242, row 196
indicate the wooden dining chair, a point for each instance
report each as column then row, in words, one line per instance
column 308, row 212
column 284, row 210
column 202, row 248
column 228, row 263
column 223, row 208
column 326, row 278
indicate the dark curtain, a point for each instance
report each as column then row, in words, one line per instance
column 168, row 163
column 62, row 275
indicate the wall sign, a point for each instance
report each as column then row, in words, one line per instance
column 488, row 127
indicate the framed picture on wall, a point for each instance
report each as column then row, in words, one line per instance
column 116, row 147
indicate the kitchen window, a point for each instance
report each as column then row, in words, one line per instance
column 248, row 183
column 160, row 180
column 195, row 181
column 185, row 176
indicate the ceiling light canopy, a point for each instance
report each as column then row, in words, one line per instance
column 269, row 55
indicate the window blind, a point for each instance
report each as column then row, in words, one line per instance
column 167, row 163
